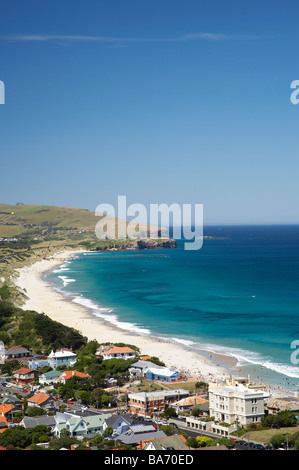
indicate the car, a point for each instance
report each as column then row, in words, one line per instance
column 7, row 385
column 70, row 402
column 24, row 390
column 260, row 447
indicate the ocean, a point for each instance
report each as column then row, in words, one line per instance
column 238, row 295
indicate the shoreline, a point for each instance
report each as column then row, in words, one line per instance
column 44, row 298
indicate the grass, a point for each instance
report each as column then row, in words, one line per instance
column 265, row 435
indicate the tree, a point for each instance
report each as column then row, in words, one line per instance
column 108, row 431
column 35, row 411
column 168, row 429
column 278, row 440
column 170, row 413
column 204, row 441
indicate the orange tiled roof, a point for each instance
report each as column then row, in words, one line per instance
column 39, row 398
column 5, row 408
column 71, row 373
column 117, row 350
column 23, row 370
column 145, row 358
column 3, row 419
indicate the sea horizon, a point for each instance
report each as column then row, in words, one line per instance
column 236, row 297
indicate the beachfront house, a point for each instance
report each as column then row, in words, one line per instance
column 62, row 357
column 162, row 373
column 119, row 353
column 139, row 368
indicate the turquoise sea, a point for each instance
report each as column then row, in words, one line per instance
column 237, row 295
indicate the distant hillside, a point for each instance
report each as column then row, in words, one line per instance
column 20, row 219
column 40, row 221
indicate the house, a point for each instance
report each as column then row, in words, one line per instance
column 275, row 405
column 139, row 368
column 138, row 432
column 119, row 423
column 62, row 357
column 188, row 403
column 177, row 442
column 28, row 422
column 38, row 363
column 68, row 374
column 25, row 375
column 162, row 373
column 6, row 411
column 49, row 377
column 42, row 401
column 231, row 403
column 80, row 425
column 119, row 353
column 10, row 399
column 16, row 352
column 147, row 403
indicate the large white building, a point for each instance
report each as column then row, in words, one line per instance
column 236, row 403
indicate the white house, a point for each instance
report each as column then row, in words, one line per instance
column 119, row 353
column 62, row 357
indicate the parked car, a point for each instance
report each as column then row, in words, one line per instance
column 24, row 390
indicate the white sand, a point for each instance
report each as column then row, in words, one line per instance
column 44, row 299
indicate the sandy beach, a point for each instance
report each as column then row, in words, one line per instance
column 44, row 299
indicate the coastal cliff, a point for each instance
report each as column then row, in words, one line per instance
column 142, row 244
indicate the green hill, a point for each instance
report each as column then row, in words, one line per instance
column 18, row 220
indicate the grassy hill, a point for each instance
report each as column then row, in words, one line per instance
column 16, row 220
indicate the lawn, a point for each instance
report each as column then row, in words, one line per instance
column 265, row 435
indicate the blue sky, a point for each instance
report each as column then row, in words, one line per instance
column 162, row 101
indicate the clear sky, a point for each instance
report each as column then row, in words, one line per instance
column 163, row 101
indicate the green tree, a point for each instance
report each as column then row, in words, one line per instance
column 204, row 441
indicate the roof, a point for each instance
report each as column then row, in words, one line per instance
column 114, row 418
column 282, row 405
column 29, row 422
column 3, row 424
column 39, row 398
column 68, row 374
column 159, row 393
column 51, row 373
column 62, row 353
column 5, row 408
column 176, row 442
column 17, row 350
column 191, row 401
column 128, row 437
column 24, row 370
column 144, row 365
column 119, row 350
column 163, row 371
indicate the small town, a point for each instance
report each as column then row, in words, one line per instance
column 108, row 397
